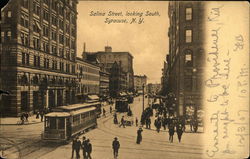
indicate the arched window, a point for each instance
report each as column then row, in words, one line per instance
column 188, row 58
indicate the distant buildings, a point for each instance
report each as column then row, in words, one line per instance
column 38, row 50
column 153, row 88
column 119, row 65
column 183, row 70
column 139, row 81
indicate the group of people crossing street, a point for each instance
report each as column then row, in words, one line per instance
column 85, row 145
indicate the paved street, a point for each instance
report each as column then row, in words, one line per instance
column 26, row 139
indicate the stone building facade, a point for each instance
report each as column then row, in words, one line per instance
column 108, row 58
column 88, row 79
column 184, row 70
column 139, row 81
column 38, row 50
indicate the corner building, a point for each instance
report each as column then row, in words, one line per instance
column 38, row 50
column 186, row 55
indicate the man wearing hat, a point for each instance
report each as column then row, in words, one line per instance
column 139, row 135
column 84, row 147
column 88, row 149
column 116, row 146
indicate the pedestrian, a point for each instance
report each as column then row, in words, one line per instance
column 78, row 147
column 73, row 147
column 149, row 123
column 136, row 121
column 84, row 147
column 116, row 146
column 115, row 119
column 41, row 114
column 104, row 111
column 26, row 115
column 139, row 136
column 195, row 125
column 122, row 122
column 37, row 115
column 89, row 149
column 158, row 124
column 171, row 132
column 22, row 118
column 191, row 124
column 110, row 109
column 179, row 130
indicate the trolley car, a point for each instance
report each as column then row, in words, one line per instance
column 121, row 105
column 68, row 121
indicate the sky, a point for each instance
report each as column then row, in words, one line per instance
column 147, row 42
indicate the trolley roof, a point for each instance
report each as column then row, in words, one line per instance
column 57, row 114
column 82, row 111
column 67, row 114
column 76, row 106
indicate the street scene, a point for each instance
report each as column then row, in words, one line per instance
column 28, row 144
column 118, row 79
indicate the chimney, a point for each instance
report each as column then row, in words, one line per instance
column 84, row 52
column 108, row 49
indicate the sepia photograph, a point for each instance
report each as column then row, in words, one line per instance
column 83, row 79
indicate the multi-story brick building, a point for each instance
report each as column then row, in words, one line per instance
column 88, row 76
column 108, row 58
column 118, row 80
column 104, row 82
column 139, row 81
column 38, row 40
column 186, row 54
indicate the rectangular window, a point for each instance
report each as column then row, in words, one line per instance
column 188, row 36
column 2, row 36
column 45, row 15
column 35, row 62
column 61, row 38
column 38, row 61
column 54, row 49
column 188, row 13
column 61, row 54
column 45, row 31
column 9, row 14
column 61, row 24
column 27, row 59
column 23, row 58
column 25, row 3
column 188, row 84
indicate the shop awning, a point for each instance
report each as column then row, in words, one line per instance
column 122, row 94
column 93, row 97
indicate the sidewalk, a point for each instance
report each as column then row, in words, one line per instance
column 16, row 120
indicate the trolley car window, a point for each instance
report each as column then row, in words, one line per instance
column 52, row 123
column 61, row 123
column 76, row 120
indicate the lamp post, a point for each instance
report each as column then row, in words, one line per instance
column 143, row 97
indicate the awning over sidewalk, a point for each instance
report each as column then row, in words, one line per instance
column 93, row 97
column 122, row 94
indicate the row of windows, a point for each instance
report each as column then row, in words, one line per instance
column 36, row 42
column 87, row 69
column 46, row 64
column 88, row 77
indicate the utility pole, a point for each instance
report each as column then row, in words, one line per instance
column 143, row 97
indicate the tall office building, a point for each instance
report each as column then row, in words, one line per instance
column 38, row 50
column 186, row 55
